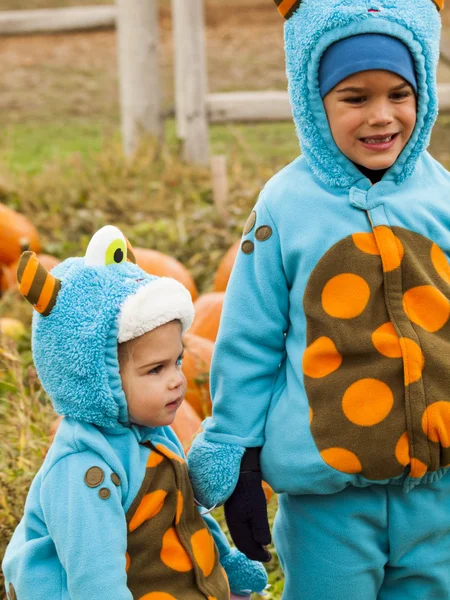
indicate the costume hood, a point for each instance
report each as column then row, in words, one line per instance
column 313, row 25
column 83, row 309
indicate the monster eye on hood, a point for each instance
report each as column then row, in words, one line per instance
column 311, row 26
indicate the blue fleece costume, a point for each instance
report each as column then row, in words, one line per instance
column 107, row 487
column 333, row 348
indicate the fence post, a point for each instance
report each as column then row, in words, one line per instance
column 139, row 78
column 191, row 79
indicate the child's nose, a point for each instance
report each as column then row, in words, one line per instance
column 380, row 114
column 176, row 380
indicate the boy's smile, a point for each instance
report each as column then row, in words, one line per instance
column 371, row 116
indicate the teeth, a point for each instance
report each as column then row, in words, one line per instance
column 378, row 140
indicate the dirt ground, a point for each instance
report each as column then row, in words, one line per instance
column 47, row 77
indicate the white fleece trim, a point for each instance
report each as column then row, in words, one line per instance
column 159, row 302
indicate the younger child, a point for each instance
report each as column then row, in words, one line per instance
column 111, row 514
column 333, row 351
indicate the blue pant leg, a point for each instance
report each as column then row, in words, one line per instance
column 419, row 532
column 333, row 547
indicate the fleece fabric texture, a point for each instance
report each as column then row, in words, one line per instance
column 389, row 552
column 326, row 312
column 77, row 548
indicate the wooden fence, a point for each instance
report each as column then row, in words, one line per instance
column 140, row 92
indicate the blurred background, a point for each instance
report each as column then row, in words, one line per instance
column 62, row 168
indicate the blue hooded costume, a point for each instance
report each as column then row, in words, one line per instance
column 111, row 514
column 333, row 351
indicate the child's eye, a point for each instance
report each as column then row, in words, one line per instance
column 156, row 370
column 355, row 100
column 400, row 95
column 180, row 360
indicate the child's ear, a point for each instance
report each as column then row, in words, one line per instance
column 288, row 7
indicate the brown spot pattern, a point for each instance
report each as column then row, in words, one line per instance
column 247, row 246
column 94, row 477
column 115, row 479
column 378, row 346
column 104, row 493
column 263, row 233
column 170, row 551
column 250, row 222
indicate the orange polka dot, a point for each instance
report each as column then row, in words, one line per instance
column 311, row 415
column 173, row 553
column 436, row 423
column 169, row 453
column 367, row 402
column 414, row 360
column 418, row 468
column 385, row 340
column 127, row 561
column 426, row 306
column 440, row 263
column 154, row 459
column 321, row 358
column 204, row 551
column 345, row 296
column 150, row 506
column 366, row 243
column 402, row 449
column 179, row 507
column 211, row 598
column 391, row 248
column 342, row 460
column 157, row 596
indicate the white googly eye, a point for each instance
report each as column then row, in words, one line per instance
column 107, row 247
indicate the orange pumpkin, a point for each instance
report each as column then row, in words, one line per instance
column 7, row 279
column 196, row 364
column 16, row 234
column 224, row 270
column 208, row 309
column 186, row 425
column 157, row 263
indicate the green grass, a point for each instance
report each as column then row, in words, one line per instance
column 28, row 147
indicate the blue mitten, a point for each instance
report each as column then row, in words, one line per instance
column 244, row 575
column 214, row 470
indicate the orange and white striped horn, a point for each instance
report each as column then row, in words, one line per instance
column 38, row 286
column 287, row 8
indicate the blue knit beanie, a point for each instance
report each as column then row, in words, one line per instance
column 365, row 52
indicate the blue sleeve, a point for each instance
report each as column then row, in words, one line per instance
column 251, row 341
column 89, row 532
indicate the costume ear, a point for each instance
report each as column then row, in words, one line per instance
column 38, row 286
column 288, row 7
column 130, row 253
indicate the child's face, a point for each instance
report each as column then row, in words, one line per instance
column 150, row 368
column 371, row 116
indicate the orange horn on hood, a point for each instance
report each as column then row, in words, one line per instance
column 38, row 286
column 287, row 7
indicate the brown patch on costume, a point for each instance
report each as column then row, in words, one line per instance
column 263, row 233
column 250, row 223
column 115, row 479
column 94, row 477
column 104, row 493
column 164, row 532
column 377, row 307
column 247, row 247
column 12, row 592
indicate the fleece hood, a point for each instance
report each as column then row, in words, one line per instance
column 311, row 27
column 83, row 308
